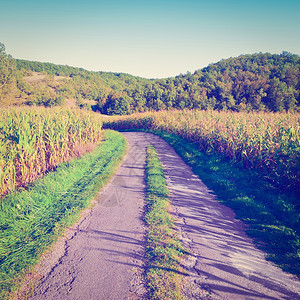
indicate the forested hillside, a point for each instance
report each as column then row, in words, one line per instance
column 260, row 82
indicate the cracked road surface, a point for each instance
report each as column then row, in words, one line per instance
column 102, row 256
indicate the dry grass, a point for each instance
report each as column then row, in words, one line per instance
column 38, row 77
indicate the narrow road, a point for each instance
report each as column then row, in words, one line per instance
column 102, row 256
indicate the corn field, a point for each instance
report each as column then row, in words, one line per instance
column 266, row 142
column 34, row 141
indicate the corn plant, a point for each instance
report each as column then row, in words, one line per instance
column 34, row 141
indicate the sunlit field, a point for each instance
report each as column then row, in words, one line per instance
column 34, row 141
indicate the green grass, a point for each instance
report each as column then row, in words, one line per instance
column 163, row 248
column 32, row 219
column 274, row 222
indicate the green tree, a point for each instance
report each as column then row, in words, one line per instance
column 7, row 70
column 278, row 92
column 116, row 105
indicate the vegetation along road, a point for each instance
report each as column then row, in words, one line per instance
column 102, row 256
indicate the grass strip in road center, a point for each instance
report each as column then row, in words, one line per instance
column 163, row 248
column 31, row 220
column 272, row 219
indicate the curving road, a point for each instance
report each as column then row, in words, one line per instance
column 101, row 257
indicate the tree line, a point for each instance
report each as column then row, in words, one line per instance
column 256, row 82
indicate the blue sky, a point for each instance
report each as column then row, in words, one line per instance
column 152, row 39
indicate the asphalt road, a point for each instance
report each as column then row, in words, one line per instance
column 225, row 264
column 101, row 257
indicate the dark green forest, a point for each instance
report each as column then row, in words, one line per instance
column 256, row 82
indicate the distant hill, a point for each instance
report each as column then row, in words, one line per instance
column 262, row 81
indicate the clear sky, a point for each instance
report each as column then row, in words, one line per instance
column 152, row 39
